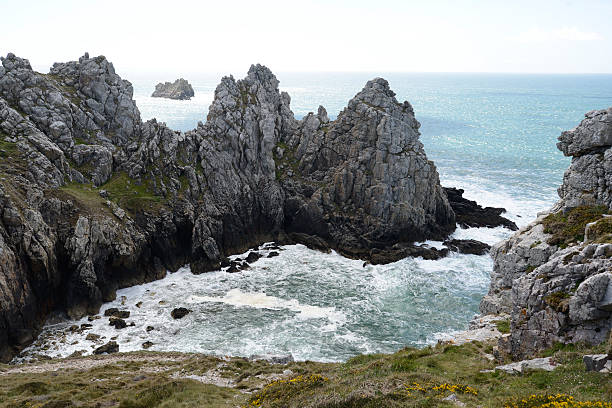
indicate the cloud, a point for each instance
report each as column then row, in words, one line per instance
column 538, row 35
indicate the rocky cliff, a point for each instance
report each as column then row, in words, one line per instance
column 93, row 199
column 554, row 276
column 179, row 89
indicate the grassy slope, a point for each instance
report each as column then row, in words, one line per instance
column 382, row 380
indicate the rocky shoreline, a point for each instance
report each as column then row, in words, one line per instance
column 92, row 199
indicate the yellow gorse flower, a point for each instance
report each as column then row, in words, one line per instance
column 556, row 401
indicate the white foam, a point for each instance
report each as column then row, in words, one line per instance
column 236, row 297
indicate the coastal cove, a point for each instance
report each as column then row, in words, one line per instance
column 271, row 295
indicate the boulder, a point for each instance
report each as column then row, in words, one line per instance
column 595, row 362
column 113, row 311
column 108, row 348
column 179, row 312
column 117, row 323
column 467, row 246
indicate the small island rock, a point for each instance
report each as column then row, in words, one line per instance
column 179, row 89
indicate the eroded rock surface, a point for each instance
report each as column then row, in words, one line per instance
column 560, row 289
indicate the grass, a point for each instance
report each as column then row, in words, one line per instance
column 602, row 231
column 568, row 227
column 503, row 326
column 557, row 300
column 121, row 189
column 408, row 378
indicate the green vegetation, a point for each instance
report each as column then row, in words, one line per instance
column 503, row 326
column 7, row 149
column 568, row 227
column 287, row 161
column 530, row 268
column 408, row 378
column 557, row 300
column 122, row 190
column 602, row 231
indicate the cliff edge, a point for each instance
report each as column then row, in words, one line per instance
column 554, row 276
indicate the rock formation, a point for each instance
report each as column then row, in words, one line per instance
column 92, row 199
column 554, row 276
column 179, row 89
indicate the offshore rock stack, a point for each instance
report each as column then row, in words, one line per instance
column 179, row 89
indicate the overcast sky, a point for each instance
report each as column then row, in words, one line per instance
column 182, row 37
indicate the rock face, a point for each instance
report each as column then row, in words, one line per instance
column 92, row 199
column 555, row 290
column 179, row 89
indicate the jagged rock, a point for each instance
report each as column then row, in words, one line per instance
column 467, row 246
column 113, row 311
column 553, row 293
column 117, row 323
column 179, row 312
column 179, row 89
column 272, row 254
column 147, row 345
column 253, row 256
column 595, row 362
column 274, row 359
column 108, row 348
column 150, row 328
column 92, row 337
column 469, row 214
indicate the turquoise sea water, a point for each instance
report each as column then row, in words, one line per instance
column 493, row 135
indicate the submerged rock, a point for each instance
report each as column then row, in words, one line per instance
column 117, row 323
column 467, row 246
column 179, row 312
column 113, row 311
column 179, row 89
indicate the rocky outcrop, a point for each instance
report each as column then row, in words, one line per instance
column 179, row 89
column 92, row 199
column 469, row 214
column 554, row 275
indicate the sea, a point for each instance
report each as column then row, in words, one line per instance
column 493, row 135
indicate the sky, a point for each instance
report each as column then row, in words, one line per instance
column 227, row 36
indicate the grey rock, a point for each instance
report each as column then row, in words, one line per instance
column 453, row 398
column 179, row 89
column 518, row 367
column 274, row 359
column 179, row 312
column 595, row 362
column 108, row 348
